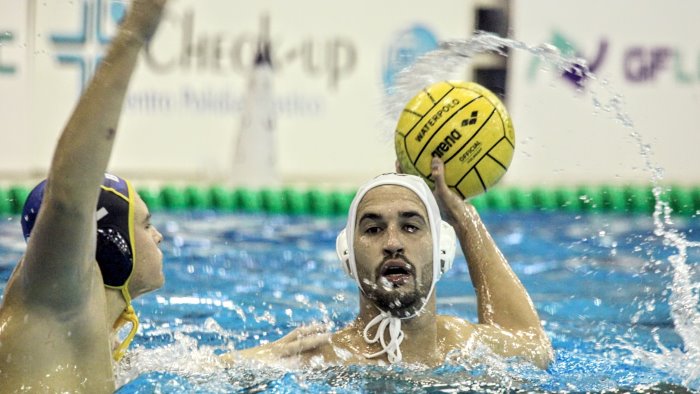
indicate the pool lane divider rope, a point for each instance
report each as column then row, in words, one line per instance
column 685, row 201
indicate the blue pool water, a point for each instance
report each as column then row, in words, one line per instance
column 602, row 285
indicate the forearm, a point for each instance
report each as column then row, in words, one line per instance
column 501, row 298
column 67, row 213
column 84, row 148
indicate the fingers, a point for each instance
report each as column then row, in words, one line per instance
column 304, row 331
column 296, row 342
column 437, row 169
column 304, row 344
column 315, row 328
column 451, row 204
column 303, row 339
column 397, row 166
column 312, row 342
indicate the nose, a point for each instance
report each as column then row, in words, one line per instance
column 158, row 236
column 394, row 242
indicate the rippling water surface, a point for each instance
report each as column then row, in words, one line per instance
column 601, row 284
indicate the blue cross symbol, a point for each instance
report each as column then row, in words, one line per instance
column 90, row 34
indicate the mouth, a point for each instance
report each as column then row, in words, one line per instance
column 396, row 271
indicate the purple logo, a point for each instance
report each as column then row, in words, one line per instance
column 577, row 74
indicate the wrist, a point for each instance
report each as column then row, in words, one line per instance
column 464, row 217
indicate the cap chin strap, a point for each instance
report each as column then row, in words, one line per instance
column 128, row 315
column 392, row 349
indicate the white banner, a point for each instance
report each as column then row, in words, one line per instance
column 332, row 61
column 644, row 54
column 16, row 155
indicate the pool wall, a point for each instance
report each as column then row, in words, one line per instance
column 684, row 201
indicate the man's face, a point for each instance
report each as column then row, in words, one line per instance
column 393, row 249
column 148, row 269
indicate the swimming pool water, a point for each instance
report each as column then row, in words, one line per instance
column 599, row 282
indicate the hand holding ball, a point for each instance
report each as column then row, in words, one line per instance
column 466, row 126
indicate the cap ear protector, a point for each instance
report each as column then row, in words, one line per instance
column 448, row 246
column 113, row 254
column 447, row 249
column 341, row 249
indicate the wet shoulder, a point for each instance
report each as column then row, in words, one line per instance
column 453, row 331
column 343, row 349
column 41, row 350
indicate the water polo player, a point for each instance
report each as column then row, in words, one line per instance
column 117, row 208
column 395, row 246
column 74, row 284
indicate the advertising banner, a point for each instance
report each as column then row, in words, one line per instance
column 331, row 64
column 633, row 115
column 16, row 158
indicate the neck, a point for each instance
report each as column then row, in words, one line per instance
column 420, row 342
column 114, row 308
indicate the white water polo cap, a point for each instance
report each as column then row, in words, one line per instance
column 443, row 241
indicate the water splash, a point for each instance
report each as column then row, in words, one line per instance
column 201, row 364
column 440, row 64
column 683, row 293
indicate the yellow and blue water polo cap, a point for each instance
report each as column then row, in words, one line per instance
column 115, row 252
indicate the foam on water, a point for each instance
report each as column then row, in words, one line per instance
column 185, row 365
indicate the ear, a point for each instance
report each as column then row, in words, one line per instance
column 341, row 249
column 113, row 255
column 448, row 245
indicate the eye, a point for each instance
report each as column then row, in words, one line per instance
column 373, row 230
column 410, row 228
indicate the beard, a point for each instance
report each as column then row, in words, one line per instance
column 404, row 300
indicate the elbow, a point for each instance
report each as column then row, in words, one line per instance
column 543, row 353
column 544, row 357
column 537, row 348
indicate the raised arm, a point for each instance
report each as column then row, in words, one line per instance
column 507, row 317
column 61, row 248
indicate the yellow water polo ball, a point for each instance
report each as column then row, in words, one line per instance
column 466, row 126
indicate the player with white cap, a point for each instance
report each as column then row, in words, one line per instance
column 396, row 247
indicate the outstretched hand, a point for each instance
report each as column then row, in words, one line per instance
column 298, row 341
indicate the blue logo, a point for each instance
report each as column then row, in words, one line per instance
column 576, row 74
column 83, row 48
column 407, row 46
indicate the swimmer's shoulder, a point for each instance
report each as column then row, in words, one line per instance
column 454, row 331
column 40, row 348
column 454, row 325
column 344, row 348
